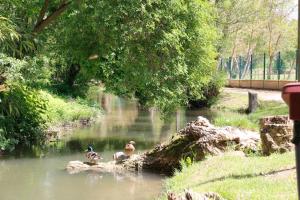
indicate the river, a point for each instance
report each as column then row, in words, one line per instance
column 27, row 177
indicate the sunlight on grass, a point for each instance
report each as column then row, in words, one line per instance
column 65, row 110
column 231, row 111
column 238, row 177
column 234, row 119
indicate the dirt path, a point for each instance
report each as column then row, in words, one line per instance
column 265, row 95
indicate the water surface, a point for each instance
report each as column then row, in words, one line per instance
column 44, row 178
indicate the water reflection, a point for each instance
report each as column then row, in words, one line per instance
column 124, row 120
column 27, row 178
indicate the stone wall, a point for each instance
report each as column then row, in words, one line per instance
column 258, row 84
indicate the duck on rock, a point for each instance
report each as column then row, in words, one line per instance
column 92, row 156
column 129, row 149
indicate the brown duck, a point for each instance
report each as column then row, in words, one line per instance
column 129, row 148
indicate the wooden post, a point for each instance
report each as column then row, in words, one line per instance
column 253, row 103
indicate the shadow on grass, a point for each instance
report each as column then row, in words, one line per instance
column 245, row 176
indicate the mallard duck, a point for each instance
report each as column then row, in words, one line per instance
column 129, row 148
column 92, row 156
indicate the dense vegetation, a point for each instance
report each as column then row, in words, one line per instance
column 164, row 53
column 161, row 52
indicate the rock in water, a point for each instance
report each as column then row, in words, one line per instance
column 75, row 167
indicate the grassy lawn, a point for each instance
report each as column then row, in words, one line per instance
column 238, row 177
column 61, row 109
column 231, row 108
column 235, row 176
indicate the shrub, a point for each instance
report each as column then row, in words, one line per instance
column 21, row 117
column 210, row 92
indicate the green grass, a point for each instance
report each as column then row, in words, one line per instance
column 62, row 109
column 230, row 109
column 238, row 177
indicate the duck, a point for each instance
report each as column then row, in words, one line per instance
column 92, row 156
column 119, row 157
column 129, row 148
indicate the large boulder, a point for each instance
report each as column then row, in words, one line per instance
column 276, row 134
column 197, row 140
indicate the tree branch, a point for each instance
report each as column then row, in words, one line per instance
column 45, row 22
column 43, row 11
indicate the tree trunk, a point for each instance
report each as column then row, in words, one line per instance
column 253, row 103
column 72, row 74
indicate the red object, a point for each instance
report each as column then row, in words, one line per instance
column 291, row 96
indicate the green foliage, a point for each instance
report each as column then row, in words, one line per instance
column 60, row 110
column 211, row 92
column 161, row 52
column 22, row 15
column 33, row 72
column 7, row 32
column 21, row 119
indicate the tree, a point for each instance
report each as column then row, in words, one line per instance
column 161, row 52
column 255, row 27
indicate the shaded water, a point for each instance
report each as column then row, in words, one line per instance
column 45, row 178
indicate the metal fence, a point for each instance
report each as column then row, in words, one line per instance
column 280, row 66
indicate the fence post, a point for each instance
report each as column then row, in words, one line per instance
column 239, row 72
column 240, row 67
column 229, row 67
column 264, row 70
column 251, row 69
column 278, row 68
column 297, row 51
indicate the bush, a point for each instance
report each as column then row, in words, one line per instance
column 33, row 72
column 21, row 117
column 60, row 110
column 210, row 92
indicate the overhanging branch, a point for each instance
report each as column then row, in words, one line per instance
column 43, row 23
column 43, row 11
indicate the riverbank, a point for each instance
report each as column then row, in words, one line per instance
column 65, row 113
column 235, row 176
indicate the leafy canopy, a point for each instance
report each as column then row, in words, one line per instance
column 161, row 52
